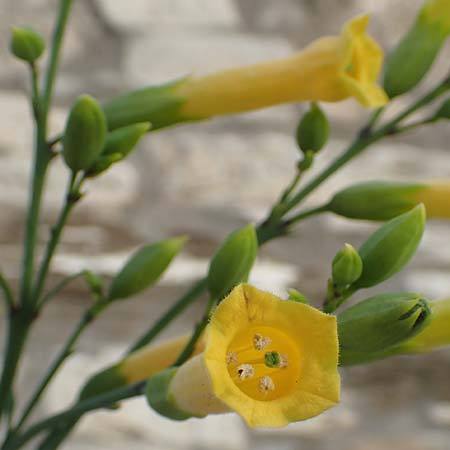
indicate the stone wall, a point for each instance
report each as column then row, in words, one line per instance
column 204, row 180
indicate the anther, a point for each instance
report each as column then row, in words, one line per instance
column 260, row 342
column 266, row 384
column 245, row 371
column 231, row 358
column 283, row 361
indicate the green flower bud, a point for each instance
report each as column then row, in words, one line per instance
column 444, row 111
column 124, row 140
column 313, row 130
column 144, row 268
column 94, row 282
column 410, row 61
column 158, row 105
column 84, row 135
column 379, row 323
column 232, row 262
column 346, row 266
column 102, row 382
column 26, row 44
column 390, row 248
column 297, row 296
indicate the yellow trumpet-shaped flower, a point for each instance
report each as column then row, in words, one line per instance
column 271, row 361
column 330, row 69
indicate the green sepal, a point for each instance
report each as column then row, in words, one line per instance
column 374, row 200
column 159, row 398
column 346, row 267
column 313, row 130
column 124, row 140
column 390, row 248
column 380, row 322
column 144, row 268
column 413, row 57
column 102, row 164
column 159, row 105
column 297, row 296
column 232, row 262
column 102, row 382
column 84, row 135
column 26, row 44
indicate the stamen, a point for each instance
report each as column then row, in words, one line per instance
column 260, row 342
column 245, row 371
column 266, row 384
column 231, row 358
column 283, row 361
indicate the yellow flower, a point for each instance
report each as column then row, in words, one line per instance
column 436, row 198
column 271, row 361
column 330, row 69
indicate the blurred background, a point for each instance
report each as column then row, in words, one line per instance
column 205, row 180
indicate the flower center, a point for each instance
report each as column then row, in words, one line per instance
column 263, row 362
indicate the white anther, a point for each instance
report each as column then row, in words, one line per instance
column 245, row 371
column 260, row 342
column 283, row 361
column 231, row 358
column 266, row 384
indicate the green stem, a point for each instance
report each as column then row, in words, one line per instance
column 174, row 311
column 59, row 287
column 198, row 330
column 19, row 324
column 304, row 215
column 88, row 317
column 7, row 292
column 57, row 40
column 101, row 401
column 72, row 197
column 413, row 125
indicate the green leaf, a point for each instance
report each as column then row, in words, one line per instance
column 85, row 133
column 232, row 262
column 390, row 248
column 144, row 268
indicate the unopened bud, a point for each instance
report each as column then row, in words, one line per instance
column 313, row 130
column 26, row 44
column 347, row 266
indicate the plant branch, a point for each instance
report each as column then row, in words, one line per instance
column 7, row 292
column 59, row 287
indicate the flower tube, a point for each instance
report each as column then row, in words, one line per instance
column 330, row 69
column 271, row 361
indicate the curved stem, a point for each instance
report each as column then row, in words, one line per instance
column 304, row 215
column 59, row 287
column 174, row 311
column 65, row 352
column 7, row 292
column 72, row 197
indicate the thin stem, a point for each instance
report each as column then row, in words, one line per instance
column 59, row 287
column 304, row 215
column 57, row 40
column 198, row 330
column 87, row 318
column 100, row 401
column 72, row 197
column 7, row 292
column 174, row 311
column 413, row 125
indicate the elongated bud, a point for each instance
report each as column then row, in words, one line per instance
column 85, row 133
column 410, row 61
column 232, row 262
column 138, row 366
column 26, row 44
column 379, row 323
column 102, row 164
column 384, row 200
column 347, row 266
column 313, row 130
column 297, row 296
column 144, row 268
column 390, row 248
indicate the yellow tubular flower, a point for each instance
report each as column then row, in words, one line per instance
column 138, row 366
column 271, row 361
column 330, row 69
column 436, row 198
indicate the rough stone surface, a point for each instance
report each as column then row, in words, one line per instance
column 205, row 180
